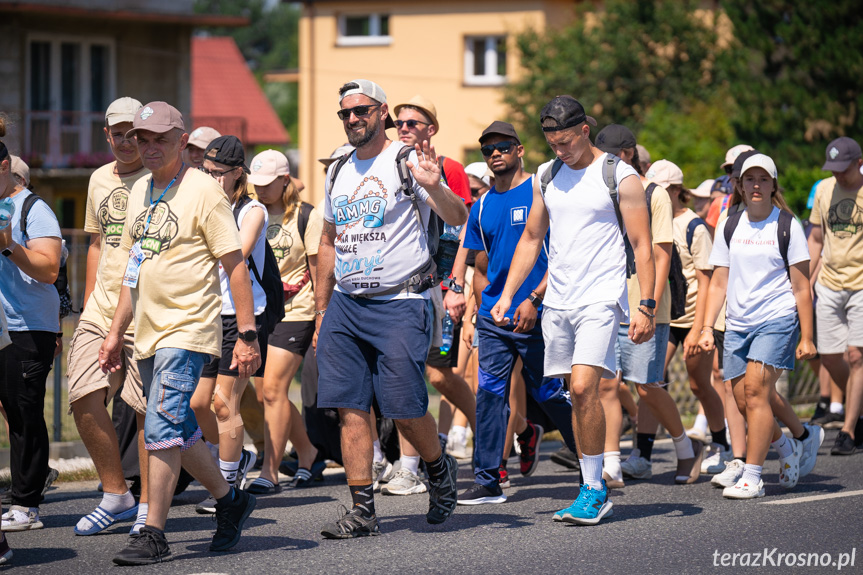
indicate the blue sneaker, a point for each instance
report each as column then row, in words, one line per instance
column 590, row 506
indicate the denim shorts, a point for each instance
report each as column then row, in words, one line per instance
column 644, row 362
column 772, row 343
column 375, row 348
column 169, row 378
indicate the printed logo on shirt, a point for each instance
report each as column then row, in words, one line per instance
column 367, row 205
column 164, row 228
column 112, row 215
column 845, row 219
column 280, row 240
column 518, row 216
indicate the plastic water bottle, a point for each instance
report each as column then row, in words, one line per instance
column 450, row 233
column 7, row 210
column 447, row 333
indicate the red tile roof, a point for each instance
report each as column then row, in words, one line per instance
column 215, row 60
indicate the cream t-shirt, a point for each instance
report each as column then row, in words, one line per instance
column 695, row 258
column 840, row 215
column 661, row 232
column 177, row 302
column 291, row 251
column 107, row 200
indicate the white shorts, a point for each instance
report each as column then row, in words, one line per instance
column 581, row 336
column 839, row 319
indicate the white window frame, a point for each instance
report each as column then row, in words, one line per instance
column 375, row 38
column 488, row 79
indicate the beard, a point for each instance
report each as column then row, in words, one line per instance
column 358, row 140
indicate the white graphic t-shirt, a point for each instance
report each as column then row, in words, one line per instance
column 258, row 255
column 379, row 242
column 758, row 286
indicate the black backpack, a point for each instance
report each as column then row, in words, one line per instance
column 271, row 280
column 62, row 283
column 783, row 233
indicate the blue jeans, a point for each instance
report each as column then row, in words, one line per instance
column 643, row 362
column 169, row 378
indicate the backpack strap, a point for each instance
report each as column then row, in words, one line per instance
column 303, row 220
column 731, row 225
column 783, row 231
column 549, row 175
column 690, row 231
column 29, row 201
column 337, row 166
column 237, row 209
column 406, row 187
column 648, row 196
column 479, row 221
column 440, row 160
column 609, row 176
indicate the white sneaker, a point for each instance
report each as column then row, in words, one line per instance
column 21, row 519
column 457, row 444
column 380, row 469
column 732, row 474
column 404, row 483
column 789, row 467
column 697, row 434
column 744, row 490
column 636, row 466
column 810, row 448
column 612, row 474
column 715, row 459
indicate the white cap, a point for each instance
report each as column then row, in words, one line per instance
column 366, row 88
column 337, row 153
column 478, row 170
column 122, row 110
column 732, row 154
column 664, row 173
column 267, row 166
column 703, row 189
column 20, row 168
column 760, row 161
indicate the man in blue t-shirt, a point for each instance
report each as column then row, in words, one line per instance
column 495, row 225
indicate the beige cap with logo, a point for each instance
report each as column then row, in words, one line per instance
column 158, row 117
column 122, row 110
column 267, row 166
column 665, row 173
column 201, row 137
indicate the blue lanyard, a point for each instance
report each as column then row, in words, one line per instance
column 150, row 210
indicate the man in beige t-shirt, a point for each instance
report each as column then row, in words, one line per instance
column 90, row 389
column 837, row 229
column 178, row 228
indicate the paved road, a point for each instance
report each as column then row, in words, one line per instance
column 657, row 527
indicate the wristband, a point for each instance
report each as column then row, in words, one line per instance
column 321, row 312
column 650, row 303
column 650, row 315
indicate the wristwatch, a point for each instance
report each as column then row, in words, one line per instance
column 651, row 303
column 535, row 299
column 8, row 251
column 249, row 336
column 454, row 287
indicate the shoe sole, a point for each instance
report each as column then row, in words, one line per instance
column 249, row 508
column 416, row 490
column 27, row 527
column 483, row 500
column 264, row 490
column 835, row 451
column 739, row 498
column 205, row 510
column 811, row 463
column 604, row 511
column 352, row 535
column 132, row 562
column 612, row 483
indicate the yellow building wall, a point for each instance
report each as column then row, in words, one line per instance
column 426, row 56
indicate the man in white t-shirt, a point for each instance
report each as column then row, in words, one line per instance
column 374, row 316
column 586, row 298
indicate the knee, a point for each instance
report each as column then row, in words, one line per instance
column 221, row 410
column 438, row 378
column 272, row 395
column 855, row 357
column 199, row 404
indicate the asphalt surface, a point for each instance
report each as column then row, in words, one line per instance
column 657, row 527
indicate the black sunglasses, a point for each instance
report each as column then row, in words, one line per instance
column 410, row 123
column 502, row 147
column 215, row 173
column 358, row 111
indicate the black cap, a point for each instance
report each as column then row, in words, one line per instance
column 738, row 162
column 227, row 150
column 614, row 138
column 840, row 153
column 4, row 153
column 501, row 128
column 722, row 184
column 566, row 112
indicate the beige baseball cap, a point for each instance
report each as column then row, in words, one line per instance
column 337, row 153
column 201, row 137
column 122, row 110
column 665, row 173
column 21, row 169
column 267, row 166
column 732, row 154
column 158, row 117
column 703, row 189
column 425, row 106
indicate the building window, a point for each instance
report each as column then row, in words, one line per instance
column 364, row 30
column 485, row 60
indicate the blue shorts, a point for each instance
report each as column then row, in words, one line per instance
column 169, row 378
column 645, row 362
column 772, row 343
column 375, row 348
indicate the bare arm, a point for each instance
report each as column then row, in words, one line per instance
column 453, row 302
column 94, row 251
column 662, row 258
column 40, row 259
column 816, row 246
column 247, row 356
column 633, row 209
column 715, row 298
column 313, row 269
column 325, row 276
column 250, row 231
column 110, row 353
column 690, row 344
column 800, row 287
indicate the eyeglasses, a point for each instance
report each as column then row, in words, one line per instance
column 410, row 123
column 358, row 111
column 502, row 147
column 215, row 173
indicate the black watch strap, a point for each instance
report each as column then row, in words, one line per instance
column 249, row 336
column 651, row 303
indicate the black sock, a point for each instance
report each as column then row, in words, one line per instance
column 719, row 438
column 437, row 468
column 503, row 463
column 803, row 435
column 364, row 499
column 825, row 401
column 644, row 443
column 525, row 435
column 228, row 498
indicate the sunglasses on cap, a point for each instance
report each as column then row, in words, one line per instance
column 410, row 123
column 358, row 111
column 502, row 147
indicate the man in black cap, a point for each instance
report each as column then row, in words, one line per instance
column 837, row 241
column 620, row 141
column 586, row 296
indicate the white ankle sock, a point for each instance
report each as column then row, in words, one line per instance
column 611, row 465
column 752, row 473
column 115, row 503
column 458, row 432
column 591, row 469
column 411, row 463
column 379, row 455
column 141, row 520
column 782, row 446
column 683, row 447
column 229, row 469
column 836, row 407
column 700, row 423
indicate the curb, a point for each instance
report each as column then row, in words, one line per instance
column 57, row 450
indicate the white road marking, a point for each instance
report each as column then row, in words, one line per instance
column 814, row 498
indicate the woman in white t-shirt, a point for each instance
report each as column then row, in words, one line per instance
column 769, row 308
column 224, row 159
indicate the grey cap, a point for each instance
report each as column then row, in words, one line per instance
column 364, row 87
column 840, row 153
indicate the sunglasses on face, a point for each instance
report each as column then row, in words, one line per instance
column 502, row 147
column 410, row 123
column 358, row 111
column 215, row 173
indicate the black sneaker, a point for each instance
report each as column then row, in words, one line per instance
column 144, row 548
column 230, row 519
column 828, row 420
column 443, row 495
column 844, row 445
column 858, row 432
column 529, row 456
column 478, row 494
column 247, row 461
column 566, row 458
column 351, row 524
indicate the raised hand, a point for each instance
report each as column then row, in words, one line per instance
column 427, row 171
